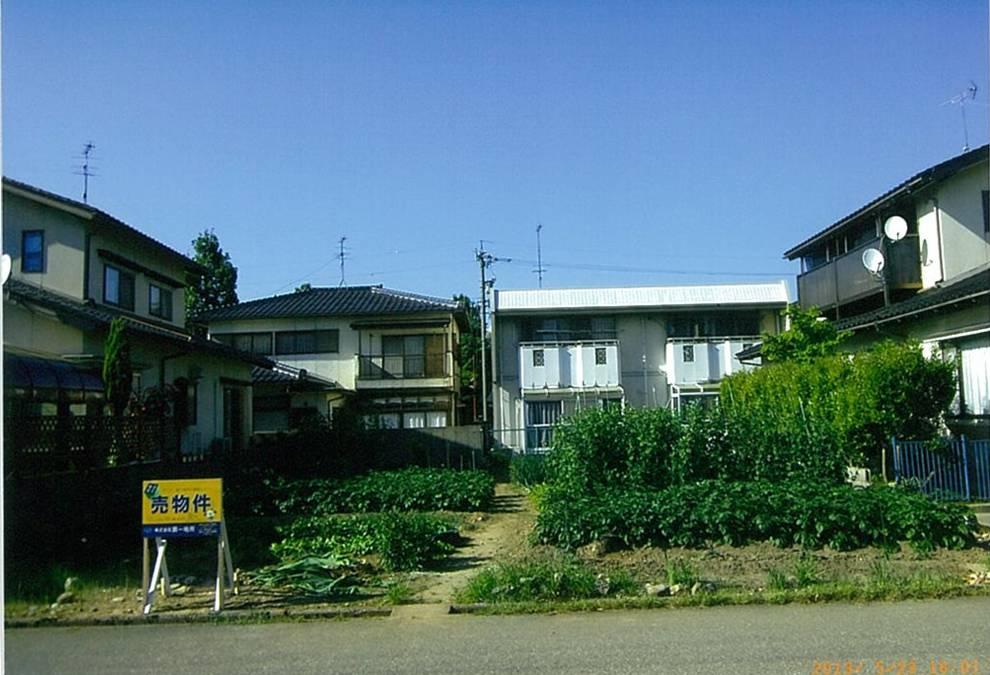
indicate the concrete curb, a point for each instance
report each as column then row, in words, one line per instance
column 230, row 616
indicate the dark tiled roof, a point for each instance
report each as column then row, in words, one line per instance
column 294, row 377
column 91, row 315
column 916, row 182
column 972, row 288
column 103, row 218
column 342, row 301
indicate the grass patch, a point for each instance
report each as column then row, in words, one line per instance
column 554, row 579
column 398, row 593
column 682, row 572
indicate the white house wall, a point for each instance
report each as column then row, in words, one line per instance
column 965, row 245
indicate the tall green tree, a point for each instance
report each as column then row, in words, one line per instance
column 118, row 373
column 217, row 286
column 470, row 348
column 810, row 336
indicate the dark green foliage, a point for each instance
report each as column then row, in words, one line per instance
column 819, row 416
column 217, row 286
column 312, row 575
column 613, row 447
column 117, row 368
column 528, row 470
column 809, row 337
column 412, row 489
column 808, row 513
column 402, row 541
column 556, row 579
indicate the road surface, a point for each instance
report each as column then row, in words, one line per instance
column 806, row 639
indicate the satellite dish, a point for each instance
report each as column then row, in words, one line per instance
column 4, row 268
column 873, row 260
column 895, row 228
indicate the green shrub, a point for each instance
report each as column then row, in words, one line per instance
column 402, row 541
column 528, row 470
column 811, row 514
column 612, row 447
column 412, row 489
column 557, row 579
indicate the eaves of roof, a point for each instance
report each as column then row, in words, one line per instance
column 918, row 181
column 98, row 217
column 344, row 301
column 92, row 315
column 974, row 288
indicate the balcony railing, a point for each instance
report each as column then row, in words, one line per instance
column 697, row 361
column 556, row 365
column 388, row 367
column 844, row 278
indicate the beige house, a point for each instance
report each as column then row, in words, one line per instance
column 76, row 268
column 932, row 233
column 557, row 351
column 389, row 354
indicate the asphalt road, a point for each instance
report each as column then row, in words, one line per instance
column 804, row 639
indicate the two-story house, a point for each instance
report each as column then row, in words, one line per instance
column 930, row 238
column 559, row 351
column 390, row 354
column 74, row 269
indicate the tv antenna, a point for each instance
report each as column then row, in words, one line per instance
column 960, row 100
column 342, row 256
column 539, row 256
column 86, row 170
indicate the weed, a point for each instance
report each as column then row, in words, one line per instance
column 777, row 580
column 398, row 593
column 681, row 571
column 545, row 580
column 806, row 571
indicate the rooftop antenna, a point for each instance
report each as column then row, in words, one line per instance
column 960, row 99
column 86, row 170
column 342, row 256
column 539, row 256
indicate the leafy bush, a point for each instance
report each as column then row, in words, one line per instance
column 402, row 541
column 312, row 575
column 411, row 489
column 802, row 512
column 613, row 447
column 528, row 470
column 556, row 579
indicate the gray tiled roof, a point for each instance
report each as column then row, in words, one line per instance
column 916, row 182
column 973, row 288
column 341, row 301
column 72, row 310
column 103, row 218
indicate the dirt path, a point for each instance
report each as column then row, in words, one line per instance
column 497, row 534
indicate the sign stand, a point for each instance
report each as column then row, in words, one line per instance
column 167, row 514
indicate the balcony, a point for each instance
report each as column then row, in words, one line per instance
column 698, row 361
column 570, row 365
column 383, row 371
column 844, row 278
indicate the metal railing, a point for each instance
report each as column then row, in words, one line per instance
column 955, row 469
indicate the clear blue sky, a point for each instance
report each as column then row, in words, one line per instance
column 697, row 137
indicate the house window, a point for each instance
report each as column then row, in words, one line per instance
column 414, row 420
column 33, row 251
column 974, row 380
column 307, row 342
column 601, row 356
column 986, row 211
column 540, row 418
column 688, row 353
column 413, row 356
column 160, row 302
column 436, row 420
column 538, row 357
column 253, row 343
column 118, row 287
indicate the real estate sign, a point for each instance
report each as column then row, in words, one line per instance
column 182, row 508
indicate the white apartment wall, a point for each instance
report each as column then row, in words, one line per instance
column 65, row 241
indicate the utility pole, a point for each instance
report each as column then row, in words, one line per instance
column 342, row 256
column 485, row 260
column 539, row 256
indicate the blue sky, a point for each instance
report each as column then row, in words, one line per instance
column 657, row 143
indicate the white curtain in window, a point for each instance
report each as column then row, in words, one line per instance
column 975, row 363
column 414, row 420
column 435, row 420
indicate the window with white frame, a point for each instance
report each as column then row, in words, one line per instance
column 540, row 418
column 974, row 378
